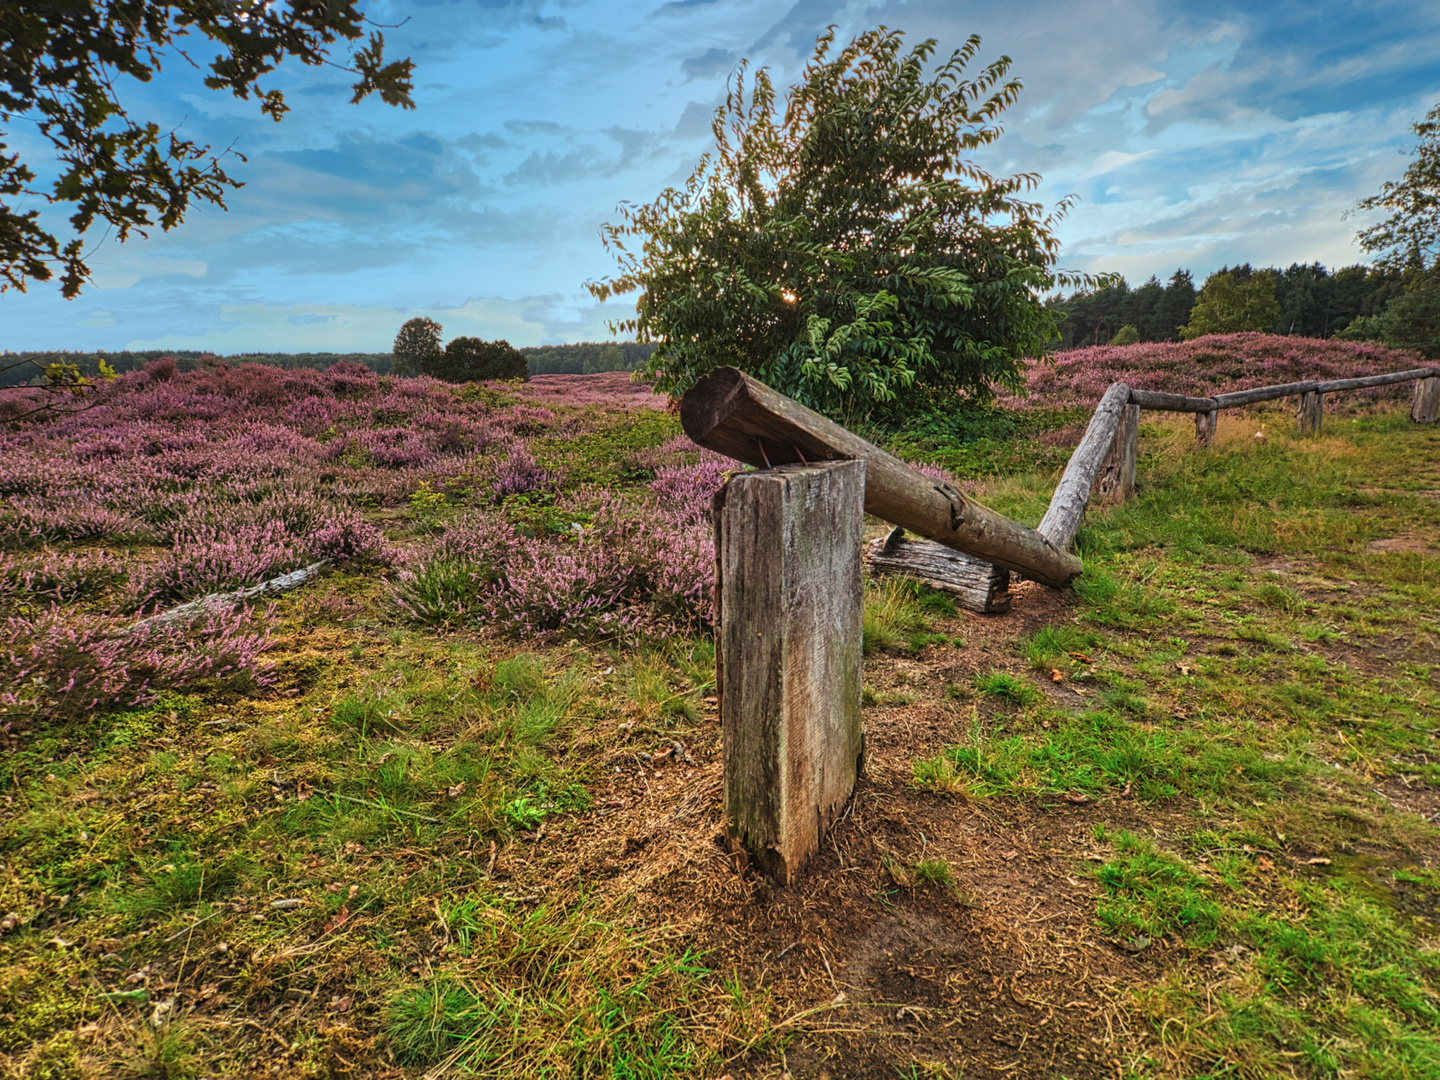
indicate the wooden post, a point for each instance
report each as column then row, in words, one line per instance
column 1311, row 412
column 788, row 641
column 1116, row 481
column 1205, row 423
column 1425, row 409
column 975, row 584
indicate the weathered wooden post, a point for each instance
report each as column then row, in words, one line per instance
column 1205, row 424
column 1117, row 471
column 1425, row 409
column 788, row 654
column 1311, row 413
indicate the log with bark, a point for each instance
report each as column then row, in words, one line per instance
column 733, row 414
column 1072, row 495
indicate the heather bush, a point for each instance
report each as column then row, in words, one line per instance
column 63, row 664
column 686, row 490
column 52, row 578
column 1204, row 366
column 518, row 473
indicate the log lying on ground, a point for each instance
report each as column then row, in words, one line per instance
column 975, row 584
column 1072, row 495
column 194, row 609
column 733, row 414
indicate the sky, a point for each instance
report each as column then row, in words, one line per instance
column 1193, row 135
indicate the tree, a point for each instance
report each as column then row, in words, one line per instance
column 1174, row 307
column 470, row 359
column 417, row 346
column 1410, row 237
column 1232, row 301
column 846, row 251
column 1129, row 334
column 59, row 68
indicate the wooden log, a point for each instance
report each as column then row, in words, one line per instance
column 1153, row 399
column 1310, row 414
column 1263, row 393
column 733, row 414
column 788, row 644
column 216, row 602
column 1072, row 495
column 1205, row 424
column 1425, row 408
column 1336, row 385
column 975, row 584
column 1116, row 480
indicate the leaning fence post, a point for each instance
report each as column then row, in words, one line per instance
column 1311, row 412
column 1117, row 471
column 1425, row 408
column 788, row 644
column 1205, row 424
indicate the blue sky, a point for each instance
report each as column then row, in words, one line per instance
column 1194, row 135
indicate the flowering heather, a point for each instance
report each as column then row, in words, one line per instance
column 1209, row 365
column 518, row 473
column 686, row 490
column 609, row 390
column 64, row 664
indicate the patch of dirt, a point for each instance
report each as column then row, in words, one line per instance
column 1403, row 543
column 868, row 969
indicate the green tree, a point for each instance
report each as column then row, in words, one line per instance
column 1227, row 305
column 471, row 359
column 417, row 347
column 1410, row 237
column 59, row 66
column 847, row 250
column 1129, row 334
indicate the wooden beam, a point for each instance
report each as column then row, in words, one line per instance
column 1425, row 407
column 1263, row 393
column 788, row 654
column 1151, row 399
column 1072, row 495
column 1361, row 383
column 729, row 412
column 975, row 584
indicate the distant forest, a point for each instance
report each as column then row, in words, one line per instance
column 586, row 358
column 1313, row 303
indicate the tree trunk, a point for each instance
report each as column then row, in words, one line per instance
column 733, row 414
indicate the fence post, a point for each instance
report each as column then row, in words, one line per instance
column 1205, row 424
column 1311, row 412
column 1425, row 409
column 788, row 645
column 1117, row 470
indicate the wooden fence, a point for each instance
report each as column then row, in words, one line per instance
column 789, row 596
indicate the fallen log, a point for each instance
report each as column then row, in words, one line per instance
column 975, row 584
column 733, row 414
column 1072, row 495
column 195, row 609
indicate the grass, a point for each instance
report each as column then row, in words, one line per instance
column 409, row 856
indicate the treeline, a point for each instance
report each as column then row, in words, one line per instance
column 1305, row 300
column 587, row 358
column 17, row 368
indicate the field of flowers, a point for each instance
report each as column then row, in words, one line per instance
column 501, row 512
column 1216, row 364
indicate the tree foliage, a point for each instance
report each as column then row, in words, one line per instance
column 846, row 250
column 1227, row 304
column 60, row 65
column 1410, row 237
column 471, row 359
column 416, row 345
